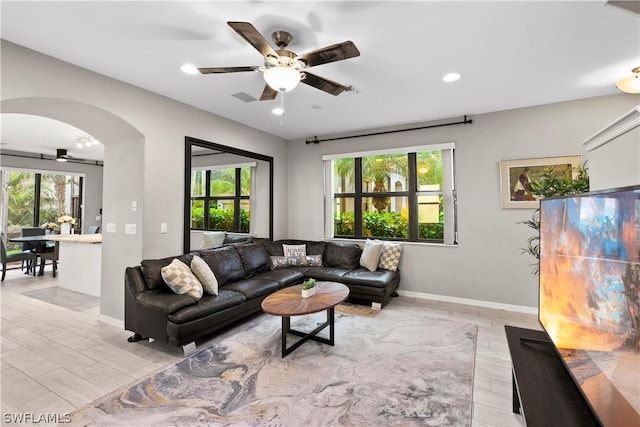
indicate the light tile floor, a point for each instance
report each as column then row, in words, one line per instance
column 55, row 360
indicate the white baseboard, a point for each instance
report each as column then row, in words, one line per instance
column 111, row 321
column 474, row 302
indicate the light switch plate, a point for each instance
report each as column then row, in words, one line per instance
column 111, row 227
column 129, row 229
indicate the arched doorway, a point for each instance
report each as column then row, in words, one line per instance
column 123, row 184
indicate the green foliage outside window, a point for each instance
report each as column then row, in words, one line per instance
column 221, row 182
column 380, row 217
column 219, row 219
column 344, row 224
column 384, row 224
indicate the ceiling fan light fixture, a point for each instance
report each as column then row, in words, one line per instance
column 630, row 84
column 282, row 79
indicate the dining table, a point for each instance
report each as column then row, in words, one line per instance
column 40, row 240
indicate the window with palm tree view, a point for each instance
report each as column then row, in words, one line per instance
column 399, row 196
column 220, row 199
column 38, row 200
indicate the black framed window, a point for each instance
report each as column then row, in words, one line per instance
column 408, row 196
column 221, row 199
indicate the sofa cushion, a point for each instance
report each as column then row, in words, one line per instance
column 284, row 277
column 390, row 256
column 204, row 274
column 255, row 258
column 240, row 239
column 252, row 288
column 371, row 254
column 151, row 270
column 325, row 273
column 179, row 277
column 342, row 255
column 207, row 305
column 164, row 301
column 225, row 263
column 362, row 276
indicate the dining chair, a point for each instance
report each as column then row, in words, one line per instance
column 94, row 229
column 31, row 257
column 32, row 247
column 53, row 256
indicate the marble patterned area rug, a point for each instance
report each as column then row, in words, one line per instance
column 392, row 367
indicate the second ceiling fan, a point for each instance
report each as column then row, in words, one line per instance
column 284, row 69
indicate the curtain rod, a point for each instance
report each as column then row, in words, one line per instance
column 42, row 157
column 315, row 139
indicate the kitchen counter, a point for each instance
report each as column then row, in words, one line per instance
column 80, row 262
column 77, row 238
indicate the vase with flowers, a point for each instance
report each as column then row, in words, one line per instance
column 49, row 227
column 66, row 222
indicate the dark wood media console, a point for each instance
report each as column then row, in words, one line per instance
column 543, row 390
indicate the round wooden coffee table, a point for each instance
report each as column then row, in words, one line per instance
column 288, row 302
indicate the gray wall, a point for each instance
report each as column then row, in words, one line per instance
column 143, row 134
column 144, row 147
column 92, row 182
column 487, row 264
column 617, row 163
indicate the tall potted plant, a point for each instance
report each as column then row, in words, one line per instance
column 552, row 183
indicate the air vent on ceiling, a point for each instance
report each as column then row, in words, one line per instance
column 242, row 96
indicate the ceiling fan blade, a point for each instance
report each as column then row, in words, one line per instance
column 323, row 84
column 336, row 52
column 217, row 70
column 255, row 39
column 268, row 94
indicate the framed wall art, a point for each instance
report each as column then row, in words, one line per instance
column 516, row 177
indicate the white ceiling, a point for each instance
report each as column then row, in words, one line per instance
column 510, row 55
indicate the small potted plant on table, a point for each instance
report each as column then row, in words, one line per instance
column 308, row 288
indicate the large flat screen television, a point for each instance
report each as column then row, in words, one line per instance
column 590, row 296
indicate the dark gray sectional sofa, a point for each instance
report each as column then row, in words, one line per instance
column 245, row 278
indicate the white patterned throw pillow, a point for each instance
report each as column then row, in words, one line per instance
column 203, row 273
column 390, row 257
column 294, row 250
column 181, row 280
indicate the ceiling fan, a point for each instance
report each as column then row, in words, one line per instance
column 283, row 69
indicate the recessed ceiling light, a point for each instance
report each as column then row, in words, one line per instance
column 189, row 69
column 451, row 77
column 278, row 111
